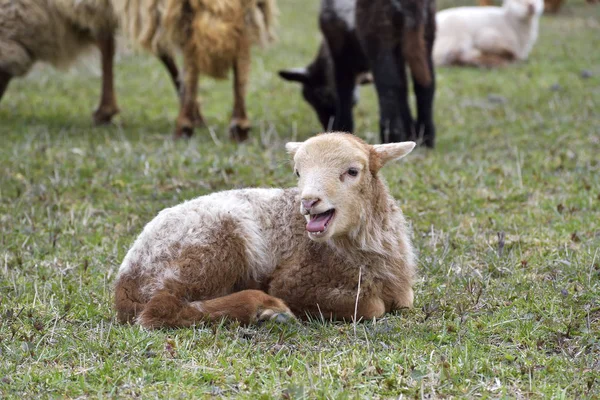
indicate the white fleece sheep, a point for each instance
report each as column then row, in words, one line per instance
column 57, row 32
column 487, row 36
column 306, row 248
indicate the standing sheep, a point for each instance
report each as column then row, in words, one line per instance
column 213, row 36
column 487, row 36
column 57, row 32
column 384, row 36
column 258, row 254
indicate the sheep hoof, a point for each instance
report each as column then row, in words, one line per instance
column 104, row 114
column 239, row 129
column 275, row 316
column 185, row 130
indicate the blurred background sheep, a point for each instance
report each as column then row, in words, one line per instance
column 214, row 36
column 487, row 36
column 57, row 32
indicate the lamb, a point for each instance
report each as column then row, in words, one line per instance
column 57, row 32
column 382, row 36
column 213, row 36
column 261, row 254
column 487, row 36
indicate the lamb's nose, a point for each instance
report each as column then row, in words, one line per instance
column 309, row 203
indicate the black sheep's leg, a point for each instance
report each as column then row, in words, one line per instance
column 425, row 89
column 5, row 78
column 340, row 42
column 345, row 83
column 424, row 126
column 395, row 120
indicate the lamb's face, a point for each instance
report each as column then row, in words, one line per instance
column 525, row 9
column 335, row 176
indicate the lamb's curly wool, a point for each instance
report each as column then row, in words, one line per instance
column 208, row 31
column 307, row 248
column 54, row 31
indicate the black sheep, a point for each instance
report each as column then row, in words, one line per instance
column 381, row 36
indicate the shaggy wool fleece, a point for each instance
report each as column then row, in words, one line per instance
column 52, row 31
column 206, row 31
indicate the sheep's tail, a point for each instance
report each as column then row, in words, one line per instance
column 262, row 21
column 414, row 50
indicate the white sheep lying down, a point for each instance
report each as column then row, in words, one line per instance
column 487, row 36
column 257, row 254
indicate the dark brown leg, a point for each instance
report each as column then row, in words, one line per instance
column 189, row 91
column 108, row 102
column 240, row 126
column 5, row 78
column 171, row 67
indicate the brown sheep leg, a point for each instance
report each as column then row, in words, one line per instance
column 240, row 125
column 171, row 67
column 490, row 60
column 108, row 102
column 5, row 78
column 249, row 306
column 189, row 92
column 552, row 6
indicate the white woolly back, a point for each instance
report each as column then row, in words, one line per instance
column 193, row 223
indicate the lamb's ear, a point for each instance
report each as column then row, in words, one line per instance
column 295, row 75
column 292, row 147
column 392, row 151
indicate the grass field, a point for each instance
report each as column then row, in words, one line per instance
column 518, row 155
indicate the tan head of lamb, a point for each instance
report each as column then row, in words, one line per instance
column 337, row 178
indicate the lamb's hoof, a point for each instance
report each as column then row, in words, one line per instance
column 104, row 115
column 275, row 316
column 239, row 130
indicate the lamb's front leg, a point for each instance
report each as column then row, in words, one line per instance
column 312, row 298
column 333, row 305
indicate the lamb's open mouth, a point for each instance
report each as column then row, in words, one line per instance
column 317, row 225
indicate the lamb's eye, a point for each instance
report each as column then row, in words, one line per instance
column 353, row 172
column 297, row 173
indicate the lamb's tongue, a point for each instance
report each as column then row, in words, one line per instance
column 317, row 224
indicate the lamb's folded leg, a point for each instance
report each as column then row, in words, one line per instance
column 248, row 306
column 108, row 102
column 171, row 67
column 240, row 125
column 492, row 60
column 5, row 78
column 185, row 120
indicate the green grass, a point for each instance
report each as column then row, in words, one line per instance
column 518, row 152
